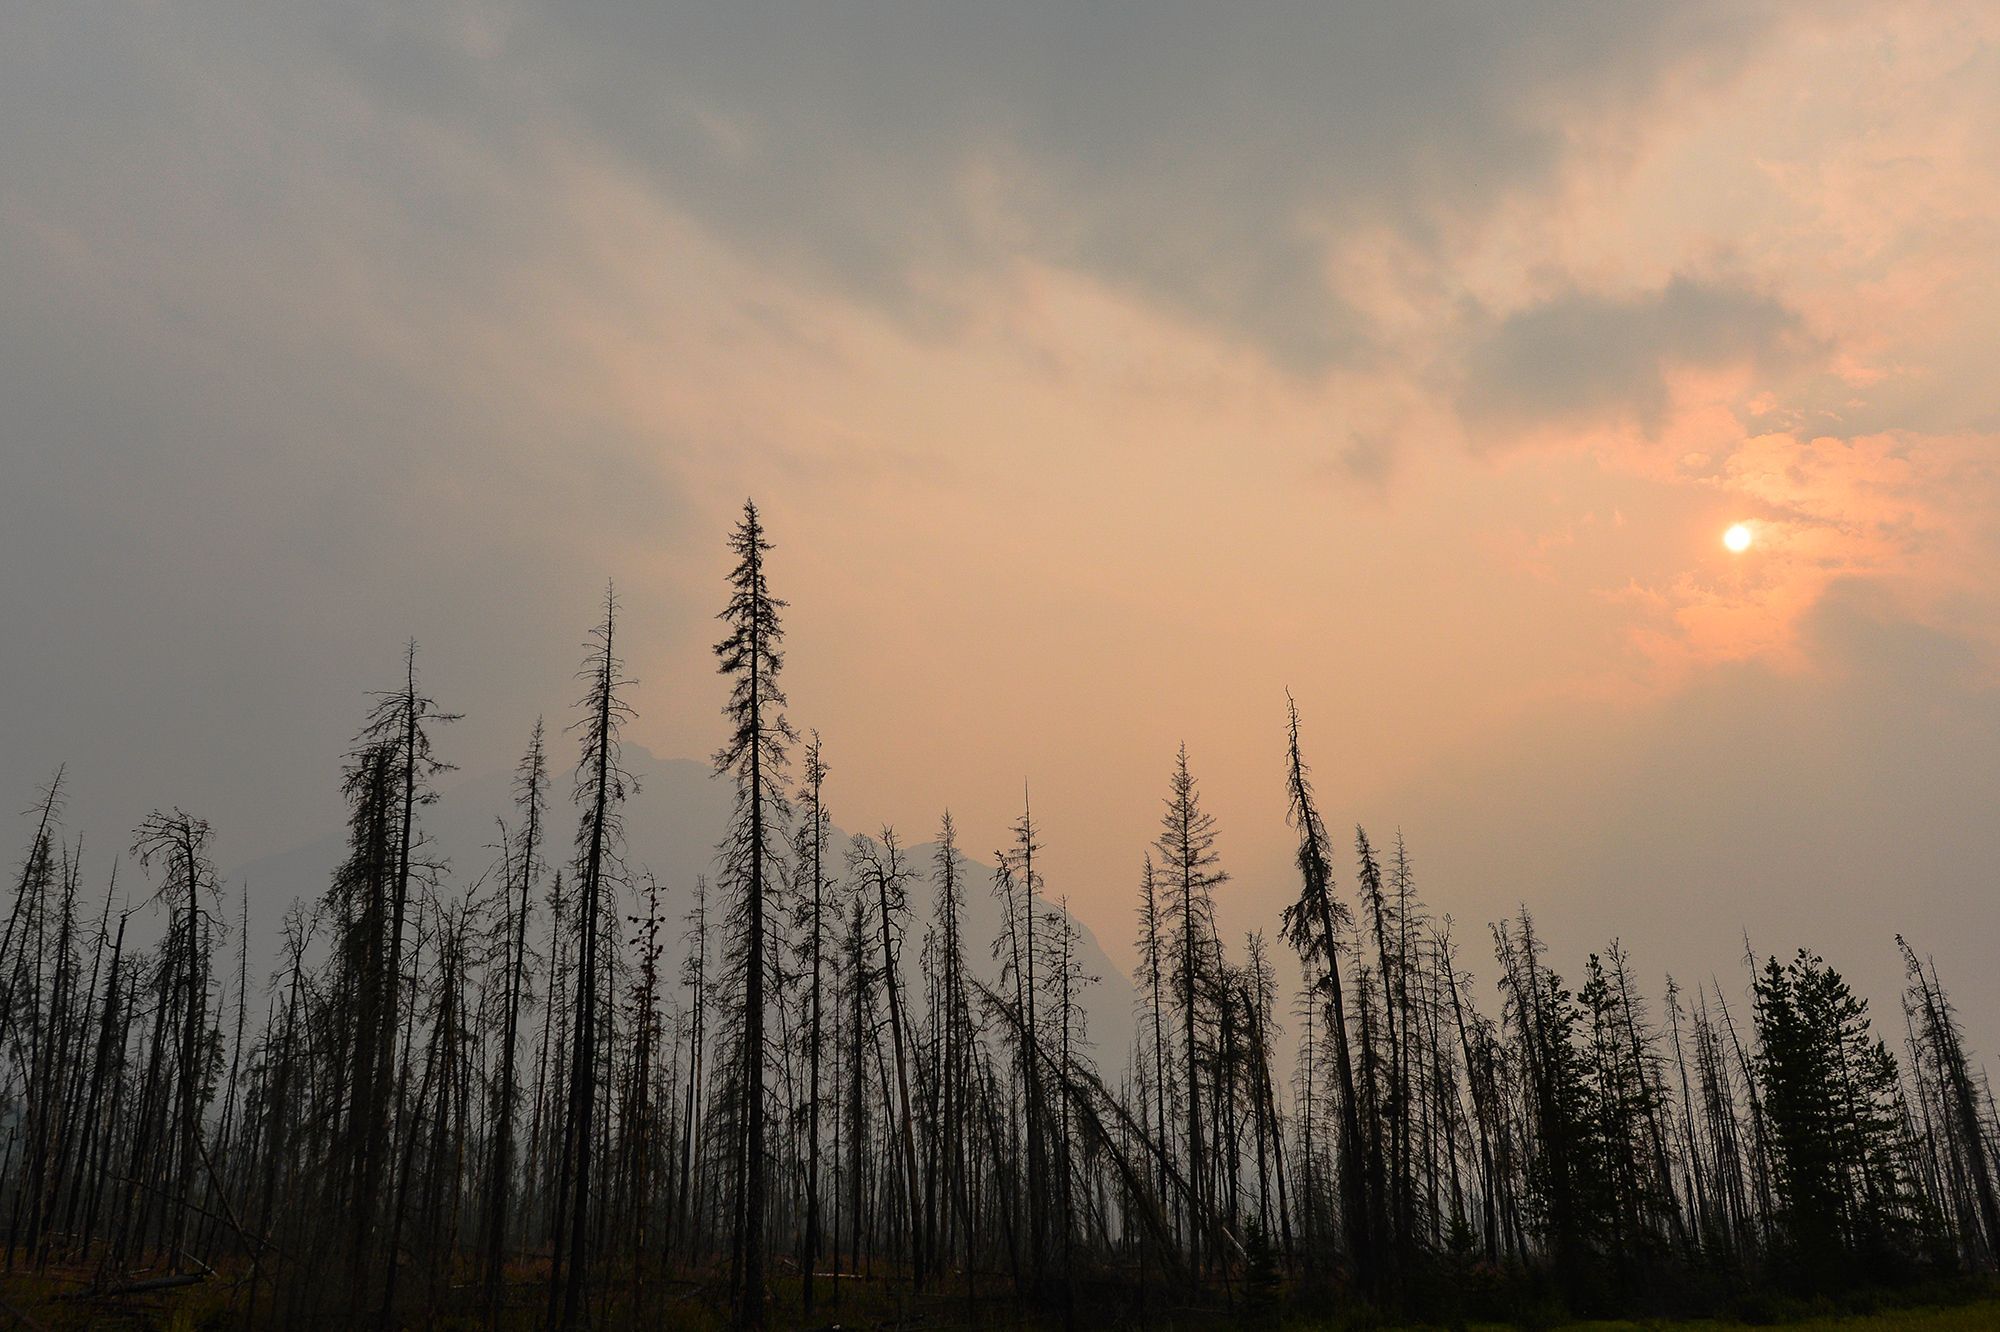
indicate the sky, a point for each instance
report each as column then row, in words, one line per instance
column 1102, row 372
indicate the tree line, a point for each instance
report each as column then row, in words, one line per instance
column 564, row 1094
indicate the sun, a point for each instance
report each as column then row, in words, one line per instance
column 1737, row 538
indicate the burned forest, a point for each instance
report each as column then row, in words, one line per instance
column 558, row 1090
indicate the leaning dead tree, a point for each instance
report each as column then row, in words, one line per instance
column 511, row 1092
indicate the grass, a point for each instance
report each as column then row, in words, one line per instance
column 1983, row 1316
column 1977, row 1316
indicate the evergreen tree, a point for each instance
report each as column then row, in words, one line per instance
column 1188, row 861
column 1830, row 1096
column 811, row 918
column 754, row 756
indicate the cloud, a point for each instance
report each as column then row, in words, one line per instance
column 1828, row 811
column 1105, row 364
column 1367, row 459
column 1204, row 158
column 1584, row 359
column 1908, row 516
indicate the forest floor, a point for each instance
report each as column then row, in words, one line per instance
column 54, row 1301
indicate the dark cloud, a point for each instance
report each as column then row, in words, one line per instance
column 268, row 407
column 272, row 400
column 1369, row 460
column 1582, row 358
column 261, row 279
column 1200, row 155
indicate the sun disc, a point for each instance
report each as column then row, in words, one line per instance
column 1737, row 538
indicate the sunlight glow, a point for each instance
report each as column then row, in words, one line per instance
column 1737, row 538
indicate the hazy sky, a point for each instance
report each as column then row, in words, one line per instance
column 1103, row 371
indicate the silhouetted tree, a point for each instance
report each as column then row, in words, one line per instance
column 523, row 864
column 601, row 787
column 754, row 755
column 1314, row 925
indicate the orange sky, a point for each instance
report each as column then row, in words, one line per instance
column 1101, row 375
